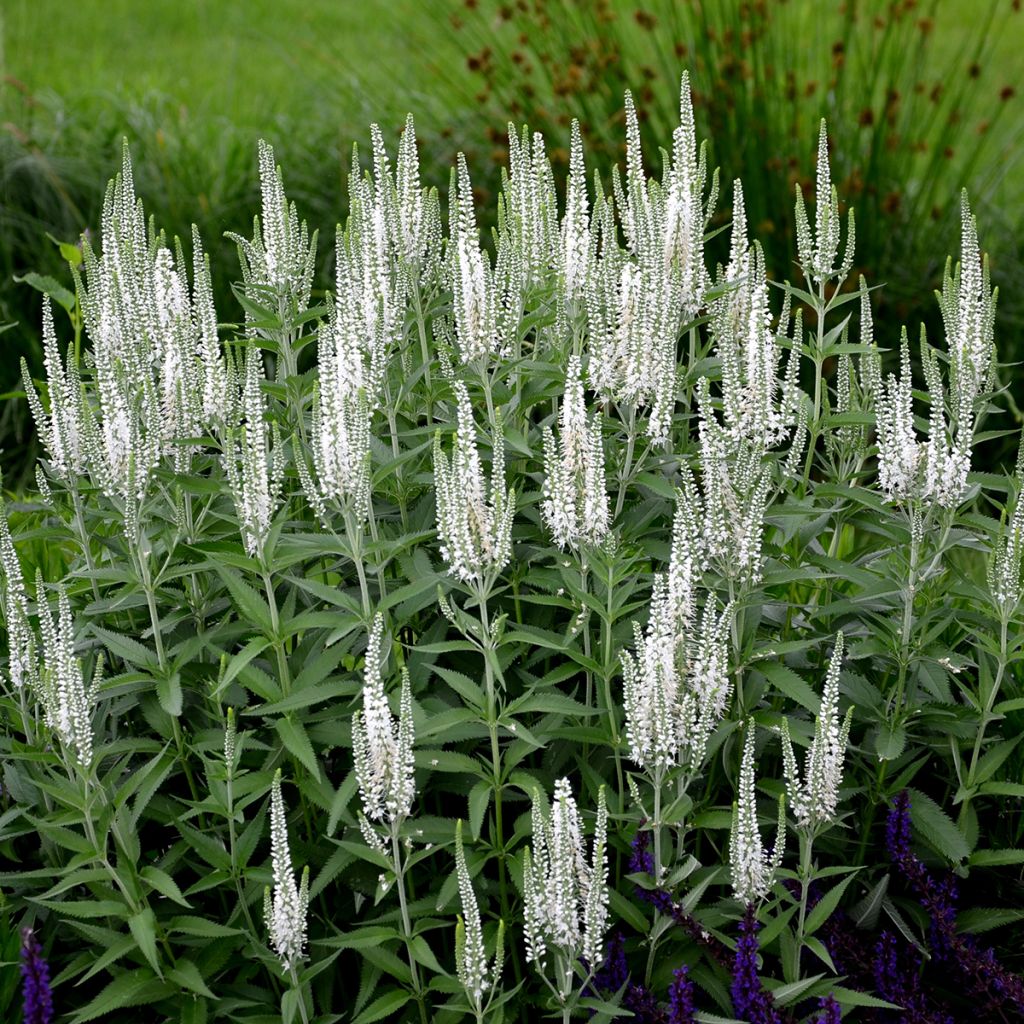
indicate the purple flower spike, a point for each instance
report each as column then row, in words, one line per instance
column 749, row 999
column 994, row 990
column 682, row 1008
column 830, row 1011
column 35, row 981
column 641, row 861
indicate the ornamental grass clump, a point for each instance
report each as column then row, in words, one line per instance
column 483, row 618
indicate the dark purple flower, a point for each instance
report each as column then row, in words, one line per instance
column 994, row 990
column 614, row 972
column 641, row 862
column 682, row 1008
column 749, row 999
column 830, row 1011
column 35, row 981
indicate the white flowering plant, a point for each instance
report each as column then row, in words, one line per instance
column 480, row 614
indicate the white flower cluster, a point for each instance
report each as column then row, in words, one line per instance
column 485, row 299
column 474, row 521
column 254, row 460
column 815, row 796
column 676, row 686
column 382, row 746
column 576, row 240
column 278, row 262
column 735, row 480
column 575, row 505
column 756, row 405
column 565, row 899
column 818, row 249
column 158, row 375
column 858, row 384
column 62, row 690
column 21, row 639
column 475, row 974
column 285, row 907
column 641, row 297
column 753, row 867
column 527, row 206
column 935, row 470
column 1007, row 561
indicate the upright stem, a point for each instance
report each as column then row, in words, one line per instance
column 492, row 728
column 355, row 543
column 806, row 852
column 294, row 977
column 396, row 852
column 275, row 623
column 84, row 539
column 609, row 708
column 908, row 617
column 656, row 824
column 627, row 466
column 986, row 714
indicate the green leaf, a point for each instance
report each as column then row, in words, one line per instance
column 479, row 801
column 937, row 828
column 296, row 742
column 188, row 924
column 786, row 681
column 890, row 741
column 251, row 606
column 87, row 909
column 168, row 692
column 163, row 884
column 136, row 988
column 996, row 858
column 383, row 1006
column 143, row 928
column 187, row 975
column 127, row 649
column 824, row 908
column 49, row 286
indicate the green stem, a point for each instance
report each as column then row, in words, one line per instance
column 293, row 976
column 806, row 854
column 396, row 851
column 627, row 465
column 986, row 714
column 275, row 624
column 492, row 728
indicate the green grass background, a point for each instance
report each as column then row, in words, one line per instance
column 193, row 84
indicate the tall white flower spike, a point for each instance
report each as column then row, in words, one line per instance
column 753, row 867
column 1007, row 561
column 477, row 976
column 565, row 899
column 575, row 505
column 474, row 519
column 818, row 250
column 285, row 907
column 254, row 466
column 66, row 698
column 382, row 745
column 278, row 262
column 814, row 795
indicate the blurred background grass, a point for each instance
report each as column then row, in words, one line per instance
column 923, row 97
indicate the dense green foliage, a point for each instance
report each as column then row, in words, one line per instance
column 300, row 75
column 223, row 563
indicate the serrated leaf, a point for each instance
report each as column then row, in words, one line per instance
column 136, row 988
column 296, row 741
column 163, row 884
column 383, row 1006
column 143, row 928
column 937, row 828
